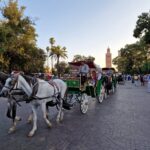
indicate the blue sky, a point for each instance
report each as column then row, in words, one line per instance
column 86, row 27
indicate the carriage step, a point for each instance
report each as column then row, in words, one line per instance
column 51, row 103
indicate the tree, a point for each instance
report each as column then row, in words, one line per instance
column 52, row 42
column 56, row 52
column 78, row 57
column 64, row 69
column 142, row 29
column 17, row 38
column 90, row 58
column 132, row 58
column 59, row 52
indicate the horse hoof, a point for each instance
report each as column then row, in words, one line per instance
column 11, row 130
column 49, row 125
column 30, row 134
column 29, row 121
column 18, row 118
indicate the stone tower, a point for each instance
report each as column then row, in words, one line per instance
column 108, row 58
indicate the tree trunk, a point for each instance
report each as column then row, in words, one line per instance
column 58, row 70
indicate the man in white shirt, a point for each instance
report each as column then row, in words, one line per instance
column 84, row 70
column 99, row 73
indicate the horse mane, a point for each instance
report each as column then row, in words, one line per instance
column 30, row 80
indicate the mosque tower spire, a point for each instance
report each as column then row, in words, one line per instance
column 108, row 58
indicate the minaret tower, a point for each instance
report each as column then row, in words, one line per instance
column 108, row 58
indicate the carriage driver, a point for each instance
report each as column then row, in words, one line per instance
column 83, row 71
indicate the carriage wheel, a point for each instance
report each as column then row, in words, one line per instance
column 105, row 95
column 101, row 96
column 113, row 89
column 84, row 103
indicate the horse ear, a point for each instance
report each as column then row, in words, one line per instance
column 16, row 73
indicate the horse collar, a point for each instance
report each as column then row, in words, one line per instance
column 54, row 85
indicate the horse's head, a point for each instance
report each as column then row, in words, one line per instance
column 8, row 86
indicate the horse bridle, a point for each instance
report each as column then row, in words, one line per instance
column 14, row 91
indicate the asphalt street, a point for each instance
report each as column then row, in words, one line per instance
column 121, row 122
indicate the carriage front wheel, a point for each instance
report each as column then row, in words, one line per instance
column 101, row 95
column 84, row 103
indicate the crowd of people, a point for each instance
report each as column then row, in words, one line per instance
column 137, row 79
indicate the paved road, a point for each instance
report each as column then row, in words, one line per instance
column 122, row 122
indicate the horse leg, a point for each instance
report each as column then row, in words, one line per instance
column 45, row 115
column 60, row 112
column 34, row 128
column 18, row 118
column 13, row 127
column 15, row 118
column 30, row 118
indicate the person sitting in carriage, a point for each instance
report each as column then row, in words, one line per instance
column 93, row 78
column 96, row 75
column 108, row 82
column 83, row 71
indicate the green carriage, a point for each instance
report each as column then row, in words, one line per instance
column 76, row 93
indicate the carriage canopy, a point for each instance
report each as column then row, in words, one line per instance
column 91, row 64
column 108, row 70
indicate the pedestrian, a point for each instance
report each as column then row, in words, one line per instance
column 142, row 80
column 136, row 80
column 132, row 79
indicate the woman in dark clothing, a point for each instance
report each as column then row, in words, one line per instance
column 142, row 80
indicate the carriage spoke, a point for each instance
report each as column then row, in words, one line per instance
column 84, row 103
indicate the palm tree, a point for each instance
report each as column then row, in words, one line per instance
column 59, row 52
column 52, row 42
column 47, row 49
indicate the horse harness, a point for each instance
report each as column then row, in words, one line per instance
column 34, row 83
column 11, row 112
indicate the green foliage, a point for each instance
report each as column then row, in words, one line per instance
column 64, row 68
column 132, row 58
column 78, row 57
column 142, row 29
column 57, row 52
column 18, row 40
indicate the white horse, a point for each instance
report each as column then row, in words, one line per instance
column 46, row 92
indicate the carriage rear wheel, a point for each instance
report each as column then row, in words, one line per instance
column 113, row 88
column 84, row 103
